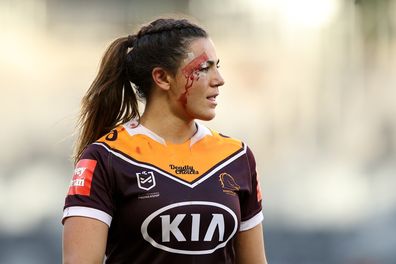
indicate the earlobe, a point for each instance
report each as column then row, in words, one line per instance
column 161, row 78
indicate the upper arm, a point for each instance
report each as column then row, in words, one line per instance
column 249, row 246
column 249, row 243
column 84, row 240
column 88, row 209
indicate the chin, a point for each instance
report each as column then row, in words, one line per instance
column 206, row 116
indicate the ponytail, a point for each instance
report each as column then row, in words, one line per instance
column 110, row 100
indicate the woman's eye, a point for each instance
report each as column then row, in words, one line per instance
column 204, row 69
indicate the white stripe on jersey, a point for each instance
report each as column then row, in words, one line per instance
column 252, row 222
column 87, row 212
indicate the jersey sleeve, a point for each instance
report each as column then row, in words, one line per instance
column 90, row 192
column 251, row 208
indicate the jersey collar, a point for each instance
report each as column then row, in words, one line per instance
column 134, row 128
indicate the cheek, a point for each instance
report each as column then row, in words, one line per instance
column 193, row 77
column 200, row 75
column 191, row 82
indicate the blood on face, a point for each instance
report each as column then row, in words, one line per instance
column 191, row 73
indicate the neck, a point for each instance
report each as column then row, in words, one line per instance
column 173, row 129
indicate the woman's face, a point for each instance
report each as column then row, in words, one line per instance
column 196, row 84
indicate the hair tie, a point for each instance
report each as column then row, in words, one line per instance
column 131, row 41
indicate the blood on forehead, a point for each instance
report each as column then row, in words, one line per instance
column 194, row 65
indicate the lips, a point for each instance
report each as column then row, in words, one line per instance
column 212, row 97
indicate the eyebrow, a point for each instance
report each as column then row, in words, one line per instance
column 212, row 62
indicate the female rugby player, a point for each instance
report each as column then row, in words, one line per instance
column 160, row 187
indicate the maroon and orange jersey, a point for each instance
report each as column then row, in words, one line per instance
column 167, row 203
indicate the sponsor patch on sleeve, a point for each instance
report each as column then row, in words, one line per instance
column 82, row 178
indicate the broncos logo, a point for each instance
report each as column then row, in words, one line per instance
column 228, row 184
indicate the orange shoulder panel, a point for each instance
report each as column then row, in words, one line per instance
column 180, row 160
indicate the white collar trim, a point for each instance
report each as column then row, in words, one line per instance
column 134, row 128
column 202, row 131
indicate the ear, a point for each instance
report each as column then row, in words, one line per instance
column 161, row 78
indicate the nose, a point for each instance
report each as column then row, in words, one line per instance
column 217, row 79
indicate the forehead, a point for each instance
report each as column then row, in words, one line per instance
column 200, row 46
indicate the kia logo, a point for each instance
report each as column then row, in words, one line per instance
column 199, row 225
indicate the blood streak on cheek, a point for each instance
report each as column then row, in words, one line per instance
column 190, row 73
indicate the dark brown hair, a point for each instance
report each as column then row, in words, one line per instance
column 129, row 61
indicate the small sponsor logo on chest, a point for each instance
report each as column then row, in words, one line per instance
column 186, row 169
column 145, row 180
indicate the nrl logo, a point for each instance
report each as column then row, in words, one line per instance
column 145, row 180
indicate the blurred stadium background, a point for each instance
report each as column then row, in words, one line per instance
column 310, row 86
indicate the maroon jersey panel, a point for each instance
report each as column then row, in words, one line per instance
column 156, row 215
